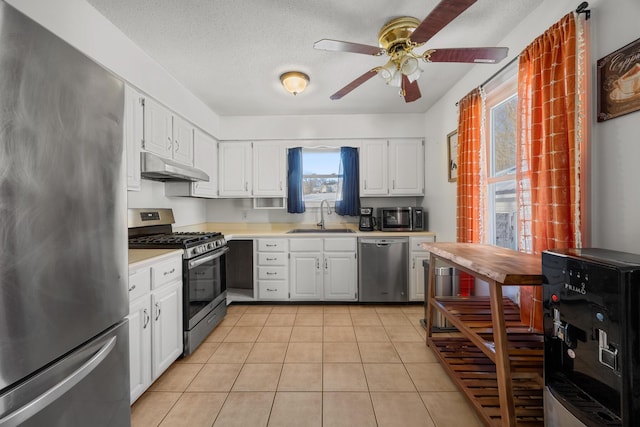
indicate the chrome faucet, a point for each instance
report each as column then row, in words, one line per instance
column 321, row 223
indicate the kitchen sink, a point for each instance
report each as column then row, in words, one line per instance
column 319, row 230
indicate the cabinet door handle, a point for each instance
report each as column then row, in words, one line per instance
column 246, row 186
column 158, row 311
column 147, row 318
column 132, row 288
column 177, row 144
column 326, row 264
column 365, row 184
column 271, row 273
column 272, row 259
column 413, row 265
column 280, row 185
column 173, row 270
column 317, row 264
column 393, row 183
column 169, row 143
column 271, row 290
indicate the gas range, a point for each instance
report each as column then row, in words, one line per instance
column 193, row 243
column 152, row 229
column 204, row 280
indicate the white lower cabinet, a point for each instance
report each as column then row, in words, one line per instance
column 340, row 276
column 306, row 276
column 416, row 273
column 323, row 269
column 272, row 265
column 139, row 346
column 166, row 330
column 155, row 319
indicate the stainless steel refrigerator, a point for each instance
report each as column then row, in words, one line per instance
column 63, row 250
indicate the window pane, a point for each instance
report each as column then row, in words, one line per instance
column 502, row 199
column 321, row 170
column 503, row 137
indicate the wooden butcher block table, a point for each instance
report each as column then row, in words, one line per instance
column 494, row 359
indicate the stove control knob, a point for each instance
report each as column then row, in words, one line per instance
column 210, row 246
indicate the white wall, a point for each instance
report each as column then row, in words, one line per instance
column 80, row 25
column 322, row 126
column 241, row 210
column 615, row 174
column 615, row 149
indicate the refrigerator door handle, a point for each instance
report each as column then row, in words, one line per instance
column 27, row 411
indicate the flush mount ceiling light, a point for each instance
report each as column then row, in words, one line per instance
column 294, row 82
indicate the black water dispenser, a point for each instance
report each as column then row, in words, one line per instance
column 592, row 338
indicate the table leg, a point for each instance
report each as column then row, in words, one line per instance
column 503, row 367
column 430, row 295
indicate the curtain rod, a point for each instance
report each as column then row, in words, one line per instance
column 582, row 8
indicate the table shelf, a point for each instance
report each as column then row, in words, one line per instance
column 475, row 374
column 497, row 362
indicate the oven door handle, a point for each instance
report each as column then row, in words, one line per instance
column 200, row 261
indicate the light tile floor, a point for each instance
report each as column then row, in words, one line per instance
column 308, row 365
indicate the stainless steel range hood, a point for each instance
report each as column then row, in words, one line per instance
column 159, row 169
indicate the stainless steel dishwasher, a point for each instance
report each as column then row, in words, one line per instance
column 383, row 269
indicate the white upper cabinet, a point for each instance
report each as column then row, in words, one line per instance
column 269, row 170
column 373, row 169
column 205, row 157
column 133, row 135
column 166, row 134
column 182, row 141
column 234, row 169
column 392, row 168
column 406, row 167
column 158, row 129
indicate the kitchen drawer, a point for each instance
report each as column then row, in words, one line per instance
column 273, row 290
column 272, row 258
column 340, row 244
column 272, row 273
column 166, row 272
column 415, row 243
column 305, row 245
column 272, row 245
column 139, row 283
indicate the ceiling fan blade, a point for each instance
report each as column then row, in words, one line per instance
column 444, row 12
column 478, row 55
column 354, row 84
column 411, row 90
column 340, row 46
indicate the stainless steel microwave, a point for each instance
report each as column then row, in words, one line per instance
column 401, row 219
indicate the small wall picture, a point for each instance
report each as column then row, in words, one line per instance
column 619, row 82
column 452, row 155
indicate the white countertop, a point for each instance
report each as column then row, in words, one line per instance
column 236, row 231
column 141, row 255
column 256, row 230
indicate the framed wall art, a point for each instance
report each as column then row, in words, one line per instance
column 452, row 156
column 619, row 82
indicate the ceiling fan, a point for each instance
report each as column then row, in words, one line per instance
column 399, row 37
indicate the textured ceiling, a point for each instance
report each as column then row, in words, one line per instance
column 230, row 53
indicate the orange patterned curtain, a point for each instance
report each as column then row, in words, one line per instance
column 469, row 191
column 550, row 151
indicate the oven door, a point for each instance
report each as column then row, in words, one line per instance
column 205, row 285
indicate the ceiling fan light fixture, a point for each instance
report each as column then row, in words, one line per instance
column 396, row 80
column 294, row 82
column 410, row 68
column 387, row 71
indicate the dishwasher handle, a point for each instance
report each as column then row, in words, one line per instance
column 381, row 243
